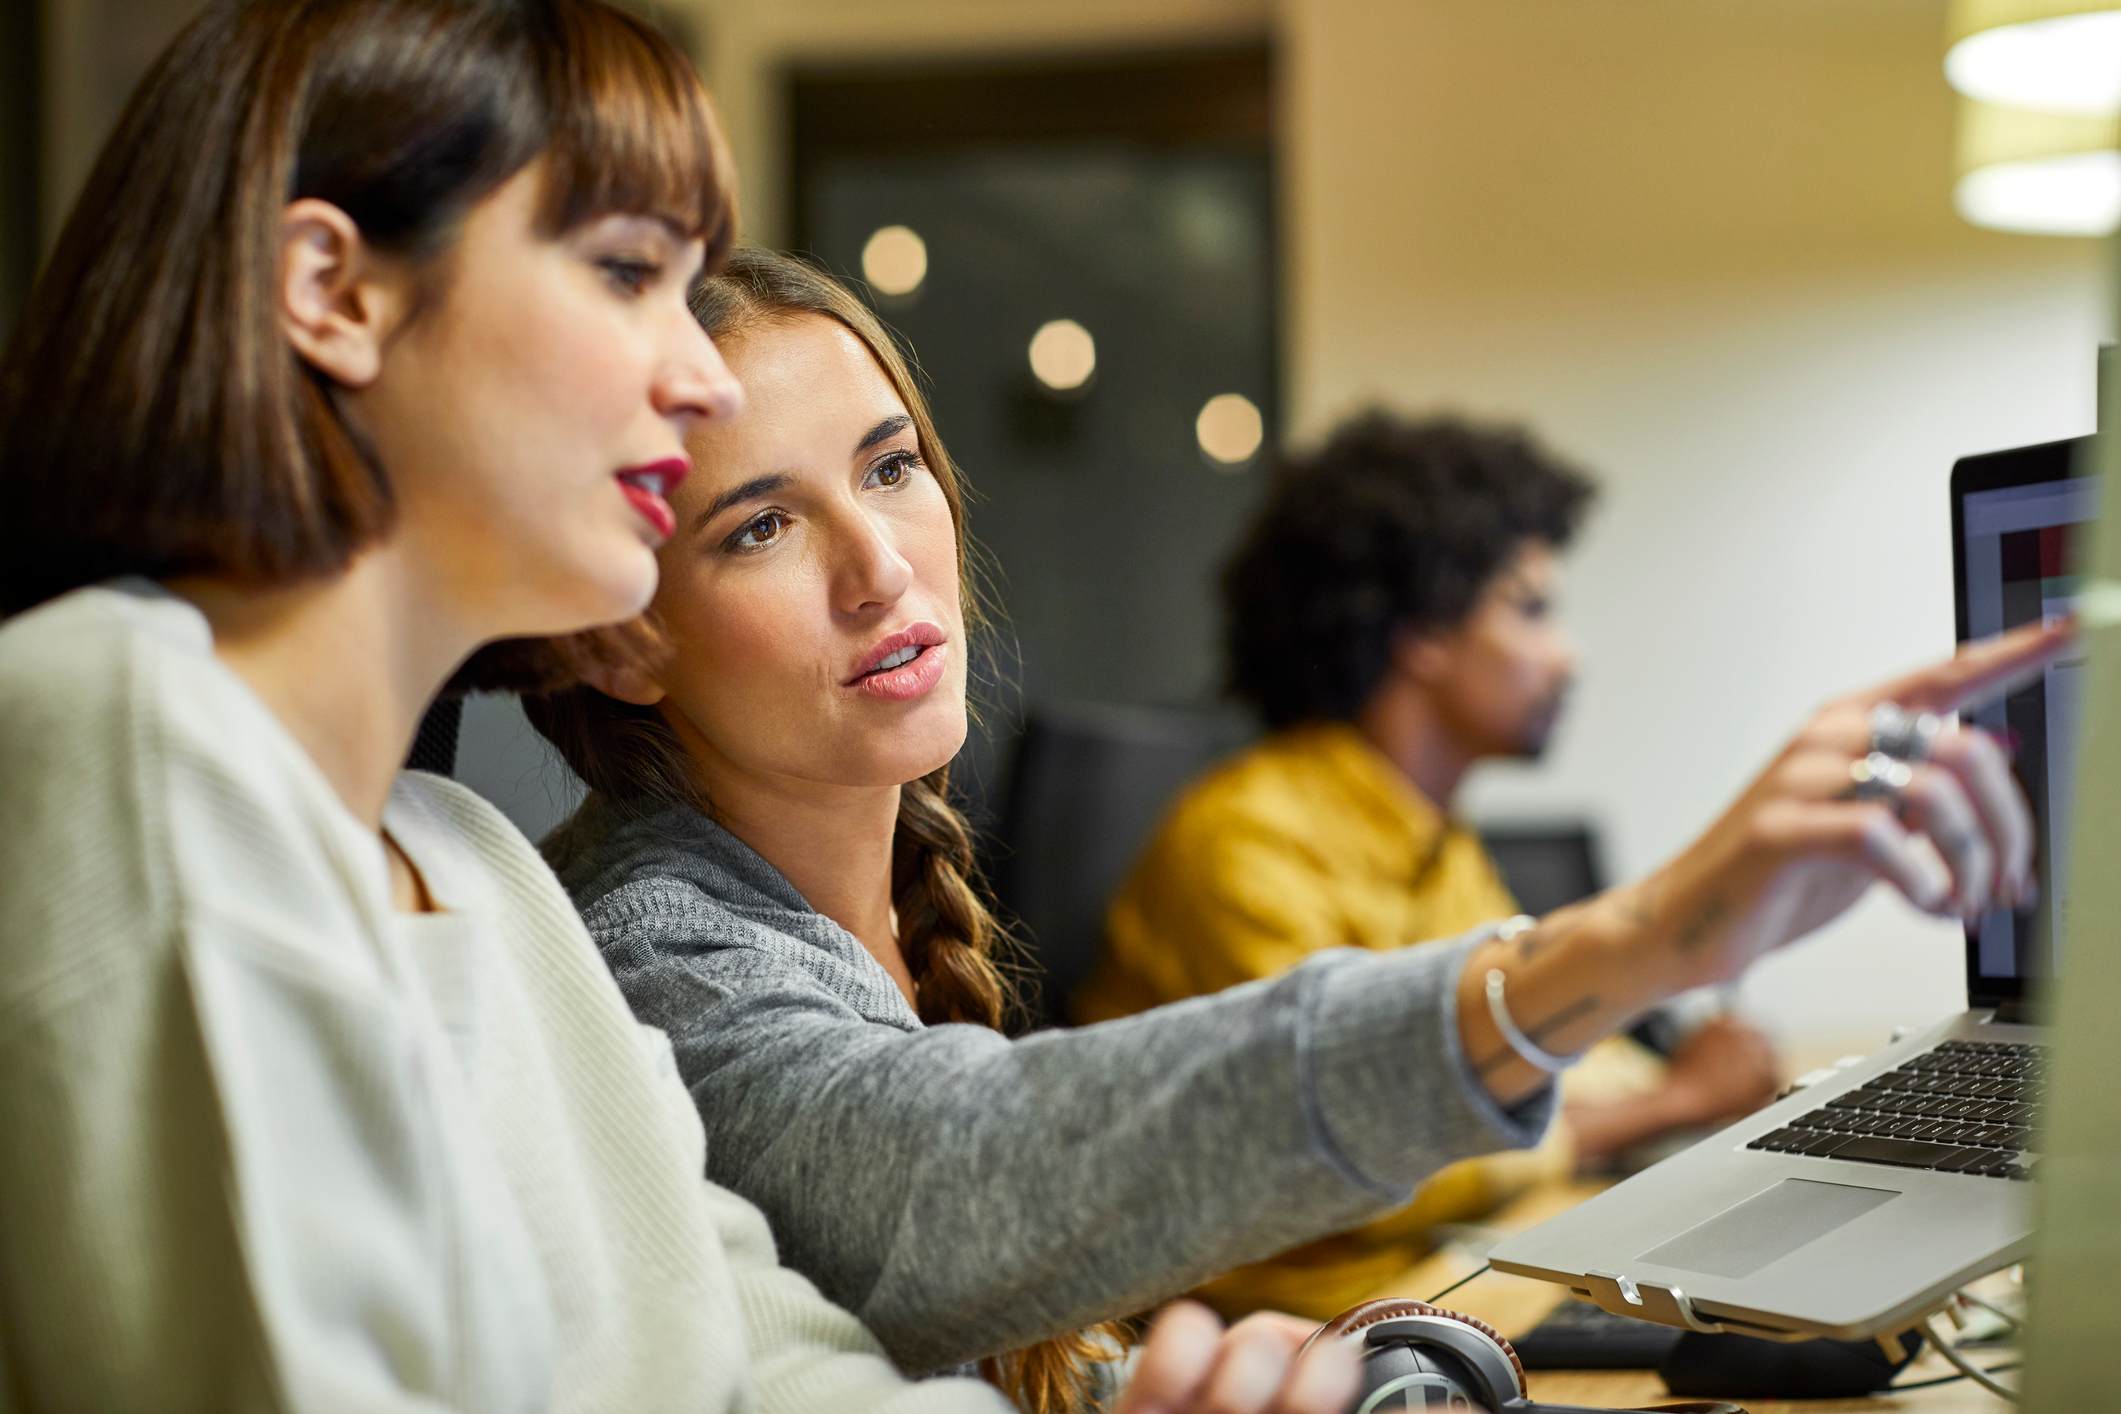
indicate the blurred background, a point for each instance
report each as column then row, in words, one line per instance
column 1708, row 248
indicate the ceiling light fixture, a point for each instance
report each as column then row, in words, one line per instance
column 2051, row 174
column 2055, row 55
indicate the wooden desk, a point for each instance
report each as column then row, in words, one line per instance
column 1624, row 1389
column 1514, row 1305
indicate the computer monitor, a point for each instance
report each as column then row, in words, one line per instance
column 2016, row 518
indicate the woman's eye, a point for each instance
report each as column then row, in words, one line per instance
column 630, row 275
column 758, row 532
column 893, row 470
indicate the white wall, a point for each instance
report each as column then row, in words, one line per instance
column 1706, row 247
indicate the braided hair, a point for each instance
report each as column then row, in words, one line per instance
column 947, row 927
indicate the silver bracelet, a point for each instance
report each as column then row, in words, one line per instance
column 1528, row 1050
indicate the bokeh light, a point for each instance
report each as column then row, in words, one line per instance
column 1063, row 355
column 1230, row 429
column 895, row 260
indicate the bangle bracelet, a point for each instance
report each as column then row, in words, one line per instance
column 1528, row 1050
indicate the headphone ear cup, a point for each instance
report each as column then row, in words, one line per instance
column 1432, row 1352
column 1404, row 1375
column 1352, row 1322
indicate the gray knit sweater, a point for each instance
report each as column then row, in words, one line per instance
column 966, row 1194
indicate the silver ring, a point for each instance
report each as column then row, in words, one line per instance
column 1878, row 777
column 1901, row 734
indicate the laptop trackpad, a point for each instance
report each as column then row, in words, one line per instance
column 1740, row 1241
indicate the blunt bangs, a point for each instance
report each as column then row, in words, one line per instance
column 154, row 419
column 632, row 130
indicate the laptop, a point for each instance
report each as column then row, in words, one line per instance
column 1854, row 1207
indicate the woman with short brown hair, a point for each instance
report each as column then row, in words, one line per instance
column 365, row 346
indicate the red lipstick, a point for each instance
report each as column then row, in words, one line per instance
column 646, row 488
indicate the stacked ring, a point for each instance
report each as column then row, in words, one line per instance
column 1878, row 777
column 1901, row 734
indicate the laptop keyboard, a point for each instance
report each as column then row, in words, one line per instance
column 1962, row 1107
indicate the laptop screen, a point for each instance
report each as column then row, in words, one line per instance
column 2018, row 515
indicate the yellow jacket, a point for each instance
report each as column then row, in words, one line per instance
column 1309, row 839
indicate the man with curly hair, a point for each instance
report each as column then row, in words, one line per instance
column 1390, row 616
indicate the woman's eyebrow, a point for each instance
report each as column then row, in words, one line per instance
column 680, row 237
column 757, row 486
column 883, row 432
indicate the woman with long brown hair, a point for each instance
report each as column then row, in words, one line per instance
column 366, row 346
column 770, row 862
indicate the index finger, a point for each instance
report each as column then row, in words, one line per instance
column 1980, row 671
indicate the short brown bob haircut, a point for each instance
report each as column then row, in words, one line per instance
column 154, row 419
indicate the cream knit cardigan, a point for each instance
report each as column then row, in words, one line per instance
column 267, row 1143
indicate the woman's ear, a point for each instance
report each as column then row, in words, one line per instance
column 627, row 684
column 338, row 300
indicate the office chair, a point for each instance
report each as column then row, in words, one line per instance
column 1087, row 785
column 1546, row 864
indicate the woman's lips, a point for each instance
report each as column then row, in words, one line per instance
column 646, row 487
column 917, row 635
column 908, row 680
column 653, row 508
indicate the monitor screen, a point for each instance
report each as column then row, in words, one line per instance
column 2016, row 566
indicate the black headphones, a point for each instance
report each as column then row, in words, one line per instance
column 1421, row 1357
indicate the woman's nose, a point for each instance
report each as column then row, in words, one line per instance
column 696, row 384
column 873, row 572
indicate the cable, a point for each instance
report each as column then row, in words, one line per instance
column 2005, row 1368
column 1965, row 1366
column 1993, row 1309
column 1484, row 1268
